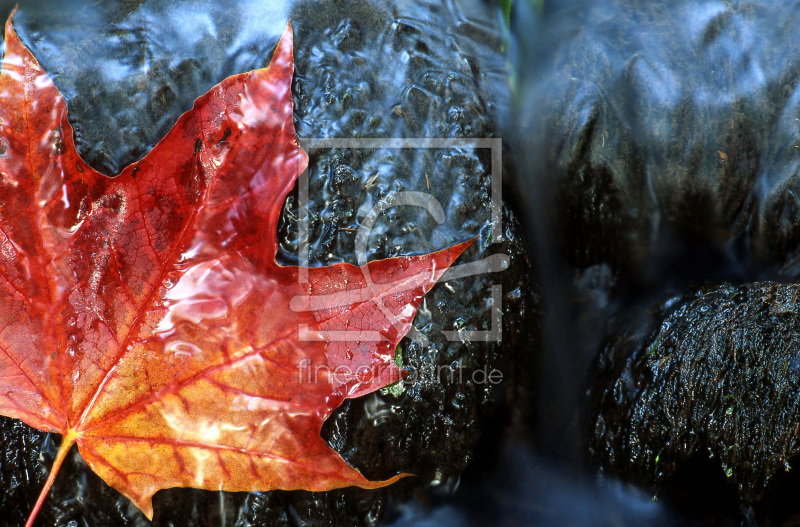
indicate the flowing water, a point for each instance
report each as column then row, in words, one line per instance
column 614, row 157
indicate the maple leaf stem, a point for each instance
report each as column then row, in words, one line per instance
column 66, row 444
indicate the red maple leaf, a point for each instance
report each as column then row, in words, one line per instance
column 144, row 317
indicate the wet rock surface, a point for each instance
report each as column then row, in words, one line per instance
column 709, row 381
column 660, row 141
column 129, row 69
column 666, row 135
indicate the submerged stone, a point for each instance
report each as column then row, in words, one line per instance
column 128, row 71
column 712, row 376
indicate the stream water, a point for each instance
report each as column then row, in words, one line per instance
column 611, row 156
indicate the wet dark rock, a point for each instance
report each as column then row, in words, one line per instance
column 711, row 378
column 655, row 129
column 659, row 146
column 363, row 69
